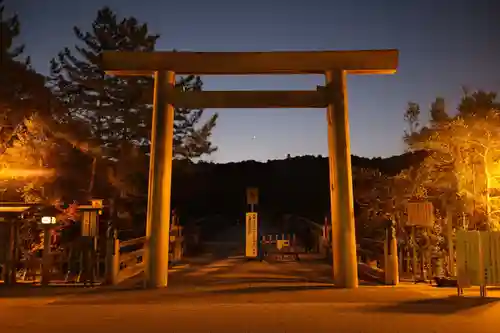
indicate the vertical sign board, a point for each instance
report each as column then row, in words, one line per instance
column 420, row 214
column 251, row 235
column 495, row 249
column 485, row 257
column 96, row 203
column 252, row 196
column 490, row 246
column 89, row 223
column 469, row 270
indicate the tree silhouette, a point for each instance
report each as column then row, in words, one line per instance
column 117, row 110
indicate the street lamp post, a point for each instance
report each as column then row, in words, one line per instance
column 47, row 223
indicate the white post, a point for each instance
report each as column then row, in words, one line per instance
column 449, row 239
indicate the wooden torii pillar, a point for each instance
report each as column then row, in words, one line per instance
column 333, row 64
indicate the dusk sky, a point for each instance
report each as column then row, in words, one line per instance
column 443, row 45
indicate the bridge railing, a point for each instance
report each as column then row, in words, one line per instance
column 130, row 257
column 126, row 257
column 322, row 236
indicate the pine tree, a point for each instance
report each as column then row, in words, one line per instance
column 10, row 29
column 14, row 77
column 462, row 168
column 118, row 109
column 31, row 126
column 23, row 93
column 23, row 143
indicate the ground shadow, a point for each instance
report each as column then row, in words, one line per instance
column 182, row 280
column 35, row 290
column 255, row 280
column 296, row 273
column 171, row 295
column 438, row 306
column 270, row 289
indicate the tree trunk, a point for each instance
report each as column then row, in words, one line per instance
column 414, row 254
column 92, row 176
column 449, row 240
column 487, row 197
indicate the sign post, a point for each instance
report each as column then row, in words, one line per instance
column 89, row 223
column 47, row 222
column 90, row 234
column 420, row 214
column 252, row 197
column 391, row 268
column 251, row 226
column 470, row 260
column 251, row 235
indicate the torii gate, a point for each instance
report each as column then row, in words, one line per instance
column 333, row 64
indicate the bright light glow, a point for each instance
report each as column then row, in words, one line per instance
column 8, row 173
column 96, row 203
column 11, row 209
column 48, row 220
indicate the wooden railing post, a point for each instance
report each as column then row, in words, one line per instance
column 108, row 266
column 46, row 256
column 116, row 262
column 178, row 244
column 9, row 269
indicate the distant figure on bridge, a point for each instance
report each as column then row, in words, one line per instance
column 260, row 246
column 308, row 240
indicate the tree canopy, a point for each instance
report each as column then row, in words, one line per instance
column 117, row 111
column 24, row 145
column 462, row 169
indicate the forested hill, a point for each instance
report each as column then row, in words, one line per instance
column 292, row 185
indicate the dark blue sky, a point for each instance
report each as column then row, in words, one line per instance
column 443, row 45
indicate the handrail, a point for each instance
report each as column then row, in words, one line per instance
column 123, row 265
column 134, row 241
column 125, row 257
column 308, row 221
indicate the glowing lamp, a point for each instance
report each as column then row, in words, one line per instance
column 48, row 220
